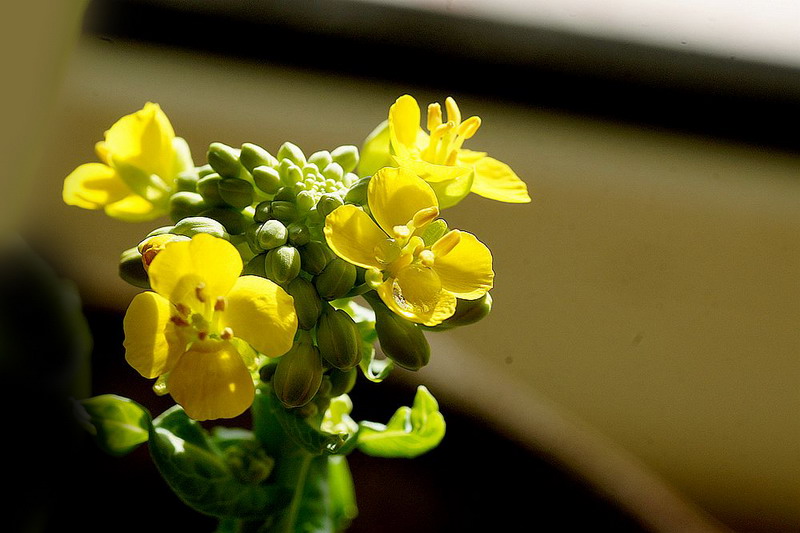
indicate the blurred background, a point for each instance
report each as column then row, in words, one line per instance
column 640, row 368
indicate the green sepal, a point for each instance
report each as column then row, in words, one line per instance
column 375, row 152
column 410, row 432
column 272, row 422
column 132, row 270
column 195, row 467
column 118, row 424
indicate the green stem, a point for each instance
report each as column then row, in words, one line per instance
column 297, row 497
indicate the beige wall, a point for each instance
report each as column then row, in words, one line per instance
column 647, row 303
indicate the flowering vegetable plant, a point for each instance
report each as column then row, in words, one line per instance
column 280, row 282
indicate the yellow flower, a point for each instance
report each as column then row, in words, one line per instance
column 140, row 158
column 418, row 281
column 196, row 329
column 438, row 156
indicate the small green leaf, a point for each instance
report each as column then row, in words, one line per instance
column 410, row 432
column 119, row 425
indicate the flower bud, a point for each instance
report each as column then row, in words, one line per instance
column 298, row 374
column 267, row 179
column 342, row 381
column 235, row 192
column 224, row 160
column 208, row 187
column 191, row 226
column 321, row 159
column 187, row 181
column 307, row 304
column 283, row 211
column 282, row 264
column 357, row 194
column 334, row 171
column 401, row 341
column 338, row 338
column 468, row 312
column 131, row 268
column 204, row 170
column 346, row 156
column 293, row 153
column 299, row 234
column 184, row 204
column 271, row 234
column 262, row 212
column 328, row 202
column 315, row 257
column 304, row 201
column 289, row 172
column 252, row 156
column 336, row 279
column 256, row 266
column 234, row 221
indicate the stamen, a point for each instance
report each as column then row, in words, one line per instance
column 446, row 244
column 425, row 216
column 183, row 309
column 198, row 292
column 202, row 335
column 401, row 232
column 219, row 305
column 434, row 116
column 468, row 128
column 427, row 258
column 178, row 320
column 453, row 113
column 227, row 334
column 452, row 157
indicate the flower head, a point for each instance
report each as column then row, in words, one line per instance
column 438, row 156
column 416, row 279
column 197, row 327
column 140, row 159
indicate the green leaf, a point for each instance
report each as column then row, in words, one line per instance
column 198, row 471
column 119, row 425
column 410, row 432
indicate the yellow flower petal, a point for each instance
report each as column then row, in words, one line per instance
column 133, row 208
column 196, row 272
column 465, row 270
column 143, row 139
column 354, row 236
column 152, row 343
column 93, row 186
column 404, row 121
column 211, row 381
column 395, row 195
column 416, row 294
column 261, row 313
column 495, row 180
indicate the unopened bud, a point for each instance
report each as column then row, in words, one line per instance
column 327, row 203
column 271, row 234
column 293, row 153
column 289, row 172
column 321, row 159
column 299, row 234
column 252, row 156
column 336, row 279
column 184, row 204
column 357, row 194
column 235, row 192
column 304, row 201
column 468, row 312
column 191, row 226
column 338, row 338
column 307, row 304
column 346, row 156
column 283, row 211
column 342, row 381
column 224, row 160
column 315, row 257
column 208, row 187
column 282, row 264
column 298, row 374
column 333, row 171
column 186, row 181
column 132, row 270
column 267, row 179
column 256, row 266
column 401, row 340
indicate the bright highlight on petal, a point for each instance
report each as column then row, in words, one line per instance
column 395, row 196
column 92, row 186
column 354, row 236
column 152, row 346
column 466, row 269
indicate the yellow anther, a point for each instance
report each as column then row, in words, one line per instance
column 226, row 334
column 434, row 116
column 219, row 305
column 401, row 232
column 468, row 128
column 427, row 258
column 425, row 216
column 202, row 335
column 448, row 241
column 198, row 291
column 453, row 113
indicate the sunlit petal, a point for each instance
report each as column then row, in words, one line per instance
column 143, row 139
column 416, row 294
column 466, row 269
column 495, row 180
column 395, row 195
column 93, row 186
column 354, row 236
column 195, row 272
column 133, row 208
column 261, row 313
column 404, row 120
column 152, row 344
column 211, row 381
